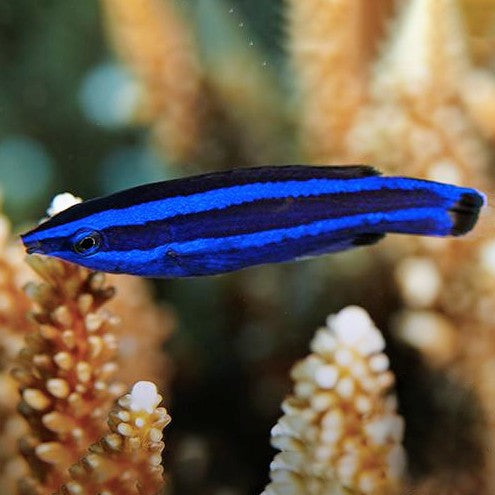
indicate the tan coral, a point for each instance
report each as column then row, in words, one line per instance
column 126, row 461
column 65, row 371
column 154, row 41
column 340, row 432
column 478, row 85
column 331, row 43
column 480, row 22
column 478, row 94
column 416, row 122
column 14, row 325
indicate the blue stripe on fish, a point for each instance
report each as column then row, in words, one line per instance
column 236, row 195
column 262, row 215
column 207, row 182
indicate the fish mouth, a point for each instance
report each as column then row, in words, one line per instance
column 32, row 247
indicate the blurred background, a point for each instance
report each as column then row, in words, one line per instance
column 97, row 96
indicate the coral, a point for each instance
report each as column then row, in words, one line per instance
column 127, row 460
column 67, row 374
column 480, row 22
column 478, row 94
column 13, row 327
column 416, row 121
column 65, row 371
column 200, row 113
column 154, row 42
column 331, row 44
column 417, row 124
column 340, row 432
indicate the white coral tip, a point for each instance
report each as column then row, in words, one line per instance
column 144, row 397
column 354, row 328
column 61, row 202
column 323, row 342
column 326, row 376
column 350, row 324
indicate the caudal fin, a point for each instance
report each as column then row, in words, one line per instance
column 421, row 207
column 465, row 212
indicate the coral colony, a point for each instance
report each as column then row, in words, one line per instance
column 340, row 429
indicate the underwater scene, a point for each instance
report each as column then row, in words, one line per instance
column 286, row 284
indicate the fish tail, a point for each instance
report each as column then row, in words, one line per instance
column 434, row 209
column 465, row 211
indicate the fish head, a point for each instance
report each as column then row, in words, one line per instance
column 69, row 237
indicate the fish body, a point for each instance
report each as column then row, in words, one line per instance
column 225, row 221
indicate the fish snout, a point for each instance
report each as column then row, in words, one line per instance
column 32, row 246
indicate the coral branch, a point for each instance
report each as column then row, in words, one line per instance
column 478, row 94
column 65, row 371
column 14, row 326
column 153, row 40
column 126, row 461
column 480, row 22
column 331, row 47
column 340, row 430
column 415, row 122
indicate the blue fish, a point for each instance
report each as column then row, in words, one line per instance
column 225, row 221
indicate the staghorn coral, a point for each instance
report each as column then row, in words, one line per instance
column 127, row 460
column 152, row 39
column 478, row 87
column 416, row 121
column 331, row 44
column 13, row 327
column 417, row 124
column 67, row 378
column 65, row 371
column 200, row 114
column 478, row 94
column 480, row 22
column 340, row 432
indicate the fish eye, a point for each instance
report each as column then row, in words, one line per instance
column 87, row 242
